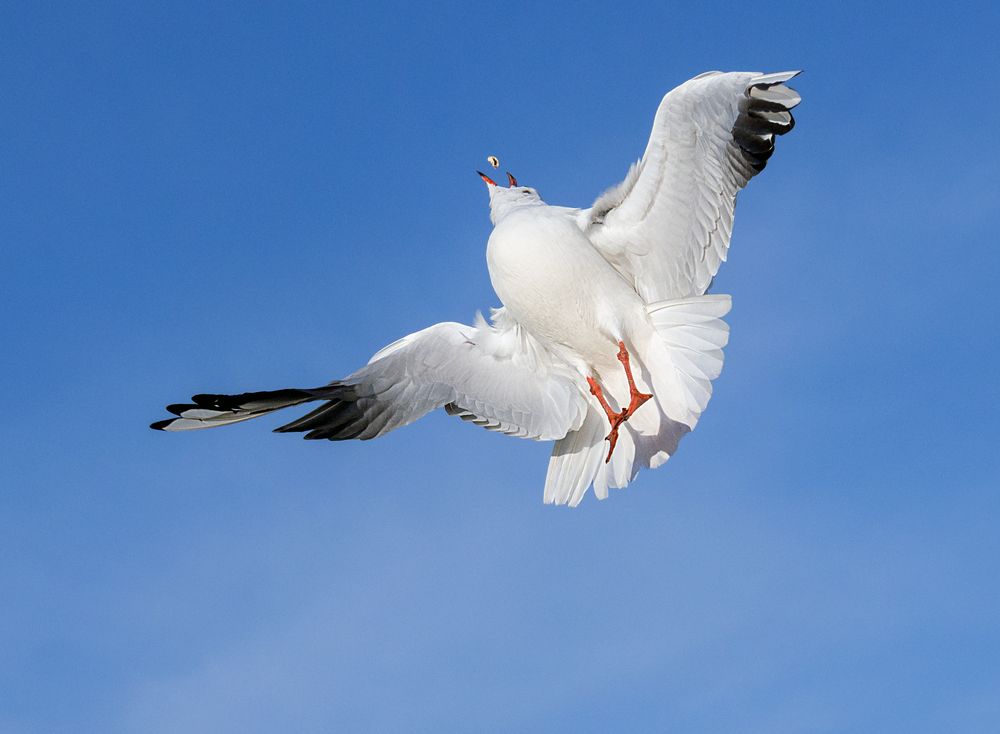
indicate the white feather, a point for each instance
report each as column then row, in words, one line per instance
column 667, row 226
column 576, row 284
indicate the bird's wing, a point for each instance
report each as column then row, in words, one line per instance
column 666, row 227
column 496, row 376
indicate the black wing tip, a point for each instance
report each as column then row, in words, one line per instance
column 202, row 400
column 161, row 425
column 179, row 408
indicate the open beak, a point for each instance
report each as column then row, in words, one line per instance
column 510, row 177
column 489, row 181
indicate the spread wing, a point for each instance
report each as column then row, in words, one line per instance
column 666, row 227
column 496, row 376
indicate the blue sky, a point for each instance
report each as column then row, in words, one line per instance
column 219, row 197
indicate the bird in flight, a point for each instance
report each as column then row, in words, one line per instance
column 607, row 342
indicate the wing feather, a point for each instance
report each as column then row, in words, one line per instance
column 496, row 376
column 667, row 226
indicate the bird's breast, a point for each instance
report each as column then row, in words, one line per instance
column 554, row 283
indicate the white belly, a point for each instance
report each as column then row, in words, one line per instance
column 558, row 287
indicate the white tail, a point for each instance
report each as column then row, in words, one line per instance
column 680, row 362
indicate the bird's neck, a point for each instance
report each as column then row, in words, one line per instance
column 500, row 210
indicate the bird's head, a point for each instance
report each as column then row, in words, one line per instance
column 505, row 199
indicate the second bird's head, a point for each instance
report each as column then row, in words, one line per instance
column 505, row 199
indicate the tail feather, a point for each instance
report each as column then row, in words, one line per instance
column 575, row 460
column 686, row 354
column 682, row 358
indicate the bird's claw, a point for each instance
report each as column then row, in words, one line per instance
column 636, row 399
column 612, row 438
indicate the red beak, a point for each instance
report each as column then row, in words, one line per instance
column 489, row 181
column 513, row 181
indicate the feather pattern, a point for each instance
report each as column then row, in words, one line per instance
column 609, row 299
column 494, row 375
column 667, row 226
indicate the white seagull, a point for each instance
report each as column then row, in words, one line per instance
column 606, row 342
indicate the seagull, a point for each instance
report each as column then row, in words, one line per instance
column 607, row 342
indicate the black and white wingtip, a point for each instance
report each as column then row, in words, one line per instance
column 209, row 411
column 193, row 417
column 765, row 111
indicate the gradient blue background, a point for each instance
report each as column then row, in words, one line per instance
column 231, row 197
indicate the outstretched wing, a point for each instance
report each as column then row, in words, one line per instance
column 497, row 376
column 666, row 227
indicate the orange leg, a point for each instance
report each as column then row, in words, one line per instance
column 636, row 399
